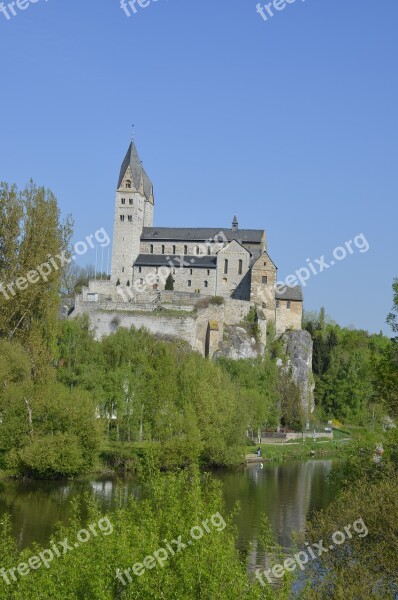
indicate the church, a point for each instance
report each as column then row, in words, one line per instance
column 203, row 285
column 227, row 262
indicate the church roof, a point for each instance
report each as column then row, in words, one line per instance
column 133, row 161
column 160, row 260
column 201, row 234
column 289, row 293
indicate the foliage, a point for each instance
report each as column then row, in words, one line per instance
column 169, row 283
column 354, row 373
column 365, row 566
column 46, row 429
column 31, row 234
column 208, row 568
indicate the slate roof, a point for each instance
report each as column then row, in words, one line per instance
column 289, row 293
column 137, row 170
column 201, row 234
column 192, row 262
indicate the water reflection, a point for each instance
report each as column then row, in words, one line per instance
column 37, row 506
column 286, row 493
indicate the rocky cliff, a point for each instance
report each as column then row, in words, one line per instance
column 238, row 343
column 298, row 348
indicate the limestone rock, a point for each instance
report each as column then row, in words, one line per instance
column 298, row 346
column 238, row 343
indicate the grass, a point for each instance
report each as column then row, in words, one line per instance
column 299, row 449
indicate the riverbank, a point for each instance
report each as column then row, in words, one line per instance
column 296, row 450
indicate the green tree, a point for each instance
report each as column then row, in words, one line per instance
column 169, row 282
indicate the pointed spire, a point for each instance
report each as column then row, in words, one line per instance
column 140, row 180
column 235, row 224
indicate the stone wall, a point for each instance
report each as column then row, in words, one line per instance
column 181, row 248
column 185, row 279
column 289, row 315
column 232, row 267
column 263, row 281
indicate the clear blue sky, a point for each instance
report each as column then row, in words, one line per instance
column 292, row 123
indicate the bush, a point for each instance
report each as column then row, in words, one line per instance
column 58, row 455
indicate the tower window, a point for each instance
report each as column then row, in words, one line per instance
column 139, row 269
column 130, row 218
column 206, row 284
column 209, row 250
column 191, row 271
column 128, row 183
column 130, row 201
column 189, row 283
column 277, row 304
column 185, row 250
column 151, row 249
column 122, row 269
column 197, row 250
column 264, row 279
column 240, row 268
column 225, row 267
column 208, row 271
column 174, row 249
column 163, row 249
column 288, row 304
column 123, row 200
column 122, row 218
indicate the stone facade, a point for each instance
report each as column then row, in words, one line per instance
column 230, row 263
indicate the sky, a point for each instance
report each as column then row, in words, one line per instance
column 290, row 122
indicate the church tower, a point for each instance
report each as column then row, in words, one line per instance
column 133, row 211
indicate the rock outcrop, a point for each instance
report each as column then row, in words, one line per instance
column 239, row 343
column 298, row 347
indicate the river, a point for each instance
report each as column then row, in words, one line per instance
column 286, row 493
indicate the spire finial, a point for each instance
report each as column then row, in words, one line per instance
column 132, row 133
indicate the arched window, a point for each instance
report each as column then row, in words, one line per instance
column 163, row 249
column 151, row 248
column 128, row 183
column 123, row 200
column 185, row 250
column 174, row 249
column 240, row 270
column 122, row 218
column 128, row 283
column 225, row 267
column 206, row 284
column 189, row 283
